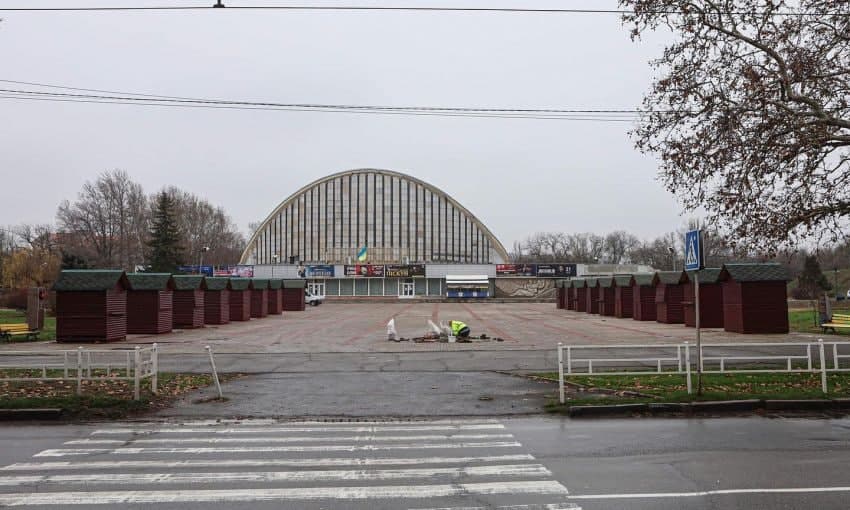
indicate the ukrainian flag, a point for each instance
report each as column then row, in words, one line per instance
column 361, row 255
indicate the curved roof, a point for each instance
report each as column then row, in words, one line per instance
column 495, row 243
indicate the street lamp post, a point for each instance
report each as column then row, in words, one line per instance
column 672, row 256
column 201, row 259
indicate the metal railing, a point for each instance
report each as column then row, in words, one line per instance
column 82, row 364
column 676, row 359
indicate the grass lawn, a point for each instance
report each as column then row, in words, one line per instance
column 9, row 316
column 102, row 397
column 805, row 321
column 673, row 388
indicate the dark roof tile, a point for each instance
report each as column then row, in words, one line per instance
column 240, row 283
column 669, row 277
column 643, row 279
column 260, row 283
column 755, row 272
column 218, row 283
column 707, row 275
column 90, row 280
column 606, row 282
column 150, row 281
column 623, row 280
column 188, row 282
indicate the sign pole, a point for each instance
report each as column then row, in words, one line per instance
column 699, row 343
column 695, row 261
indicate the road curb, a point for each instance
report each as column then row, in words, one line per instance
column 842, row 403
column 30, row 414
column 607, row 410
column 721, row 406
column 726, row 406
column 799, row 405
column 672, row 407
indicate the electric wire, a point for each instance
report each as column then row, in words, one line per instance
column 528, row 10
column 327, row 110
column 322, row 106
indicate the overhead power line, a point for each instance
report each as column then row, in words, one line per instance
column 310, row 106
column 355, row 112
column 529, row 10
column 152, row 100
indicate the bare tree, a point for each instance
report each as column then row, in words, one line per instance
column 585, row 247
column 663, row 253
column 107, row 224
column 750, row 114
column 39, row 236
column 203, row 225
column 618, row 246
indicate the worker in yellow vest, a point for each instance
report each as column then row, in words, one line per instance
column 459, row 329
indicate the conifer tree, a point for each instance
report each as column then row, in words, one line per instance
column 812, row 281
column 166, row 253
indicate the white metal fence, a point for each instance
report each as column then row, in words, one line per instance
column 81, row 364
column 679, row 359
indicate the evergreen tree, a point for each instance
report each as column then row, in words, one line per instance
column 166, row 253
column 73, row 261
column 812, row 282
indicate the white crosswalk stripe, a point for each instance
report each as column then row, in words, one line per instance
column 275, row 476
column 260, row 449
column 224, row 440
column 312, row 493
column 351, row 428
column 244, row 463
column 241, row 462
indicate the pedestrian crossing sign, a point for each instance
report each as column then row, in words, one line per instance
column 693, row 251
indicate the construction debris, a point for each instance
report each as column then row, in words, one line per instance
column 435, row 333
column 392, row 334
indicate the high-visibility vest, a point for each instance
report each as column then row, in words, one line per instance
column 456, row 327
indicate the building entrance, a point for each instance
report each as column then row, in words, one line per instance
column 407, row 289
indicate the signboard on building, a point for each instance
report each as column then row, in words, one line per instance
column 556, row 270
column 405, row 271
column 525, row 269
column 505, row 269
column 319, row 271
column 240, row 271
column 206, row 270
column 367, row 270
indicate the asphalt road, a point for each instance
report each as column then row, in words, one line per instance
column 365, row 394
column 533, row 463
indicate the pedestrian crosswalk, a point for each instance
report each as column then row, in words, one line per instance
column 440, row 464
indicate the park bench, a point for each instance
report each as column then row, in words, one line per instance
column 9, row 331
column 837, row 321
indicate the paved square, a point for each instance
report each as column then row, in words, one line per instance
column 361, row 327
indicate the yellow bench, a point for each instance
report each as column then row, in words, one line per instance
column 7, row 331
column 838, row 320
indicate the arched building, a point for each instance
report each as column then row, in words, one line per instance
column 395, row 218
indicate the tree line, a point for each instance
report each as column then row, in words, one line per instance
column 814, row 270
column 113, row 223
column 622, row 247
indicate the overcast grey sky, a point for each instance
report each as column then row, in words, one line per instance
column 517, row 176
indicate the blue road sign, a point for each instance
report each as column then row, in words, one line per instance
column 693, row 251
